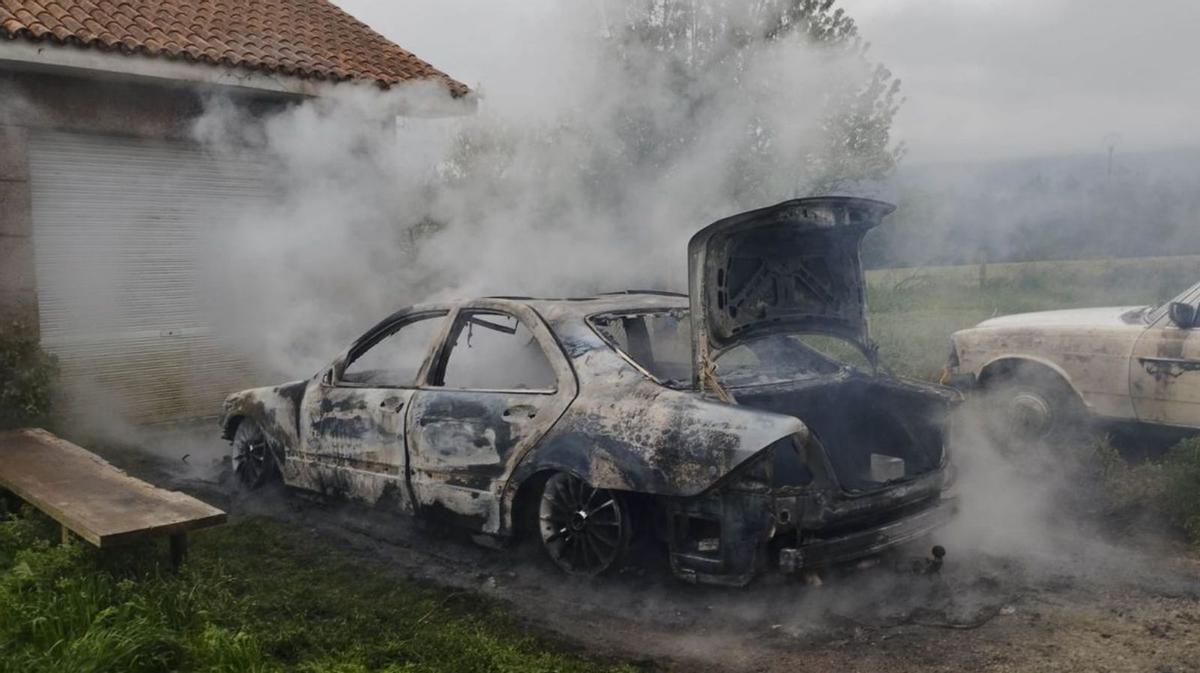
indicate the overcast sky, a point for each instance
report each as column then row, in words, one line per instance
column 983, row 78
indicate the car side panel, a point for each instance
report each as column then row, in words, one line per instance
column 660, row 442
column 351, row 438
column 1094, row 361
column 464, row 444
column 352, row 445
column 628, row 433
column 275, row 408
column 1165, row 376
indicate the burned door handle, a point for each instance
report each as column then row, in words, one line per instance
column 1168, row 367
column 392, row 404
column 518, row 413
column 1171, row 361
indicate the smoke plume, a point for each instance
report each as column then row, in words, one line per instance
column 599, row 145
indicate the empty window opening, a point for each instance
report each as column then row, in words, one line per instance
column 495, row 351
column 394, row 358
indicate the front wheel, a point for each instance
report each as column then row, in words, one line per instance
column 254, row 462
column 585, row 530
column 1030, row 406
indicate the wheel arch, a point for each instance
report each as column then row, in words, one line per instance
column 523, row 501
column 229, row 425
column 1007, row 365
column 276, row 409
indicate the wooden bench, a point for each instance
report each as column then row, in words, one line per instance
column 93, row 499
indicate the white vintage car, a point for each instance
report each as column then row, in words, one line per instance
column 1048, row 370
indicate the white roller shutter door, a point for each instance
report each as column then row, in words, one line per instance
column 121, row 227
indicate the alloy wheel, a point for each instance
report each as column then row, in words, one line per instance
column 585, row 530
column 252, row 460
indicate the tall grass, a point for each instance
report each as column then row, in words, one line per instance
column 254, row 596
column 913, row 312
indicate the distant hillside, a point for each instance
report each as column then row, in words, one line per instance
column 1041, row 208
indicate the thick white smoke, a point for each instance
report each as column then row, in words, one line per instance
column 544, row 191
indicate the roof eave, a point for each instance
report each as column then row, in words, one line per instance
column 16, row 54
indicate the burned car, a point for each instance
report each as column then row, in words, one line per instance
column 1049, row 371
column 705, row 422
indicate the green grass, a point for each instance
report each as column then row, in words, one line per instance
column 255, row 595
column 913, row 312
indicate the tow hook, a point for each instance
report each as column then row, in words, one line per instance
column 931, row 565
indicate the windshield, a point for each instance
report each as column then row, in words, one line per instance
column 660, row 342
column 1189, row 296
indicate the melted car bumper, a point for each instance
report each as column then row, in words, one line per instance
column 732, row 537
column 852, row 546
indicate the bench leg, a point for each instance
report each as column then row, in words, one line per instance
column 178, row 549
column 66, row 534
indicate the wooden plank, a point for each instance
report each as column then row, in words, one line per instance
column 83, row 492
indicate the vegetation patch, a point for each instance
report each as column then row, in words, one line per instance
column 27, row 378
column 1167, row 488
column 254, row 596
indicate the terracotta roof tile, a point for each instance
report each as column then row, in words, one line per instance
column 308, row 38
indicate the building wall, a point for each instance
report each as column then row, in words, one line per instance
column 31, row 101
column 18, row 289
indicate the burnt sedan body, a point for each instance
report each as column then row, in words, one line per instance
column 710, row 422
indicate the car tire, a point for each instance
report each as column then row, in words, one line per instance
column 586, row 531
column 1027, row 406
column 254, row 459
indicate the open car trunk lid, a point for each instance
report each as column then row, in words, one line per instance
column 793, row 267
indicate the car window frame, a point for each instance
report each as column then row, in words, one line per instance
column 840, row 366
column 1189, row 296
column 590, row 319
column 376, row 335
column 441, row 356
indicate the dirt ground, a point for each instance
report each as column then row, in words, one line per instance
column 1117, row 605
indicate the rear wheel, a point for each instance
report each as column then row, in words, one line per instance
column 254, row 462
column 584, row 530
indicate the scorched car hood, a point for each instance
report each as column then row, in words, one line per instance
column 792, row 267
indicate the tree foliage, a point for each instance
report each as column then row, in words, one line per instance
column 780, row 93
column 713, row 52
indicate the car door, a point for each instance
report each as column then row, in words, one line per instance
column 496, row 386
column 1165, row 370
column 353, row 420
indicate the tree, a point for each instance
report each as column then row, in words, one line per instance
column 709, row 47
column 648, row 124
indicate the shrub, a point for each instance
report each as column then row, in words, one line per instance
column 1180, row 497
column 27, row 378
column 1167, row 489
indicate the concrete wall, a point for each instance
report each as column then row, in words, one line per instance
column 18, row 288
column 32, row 101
